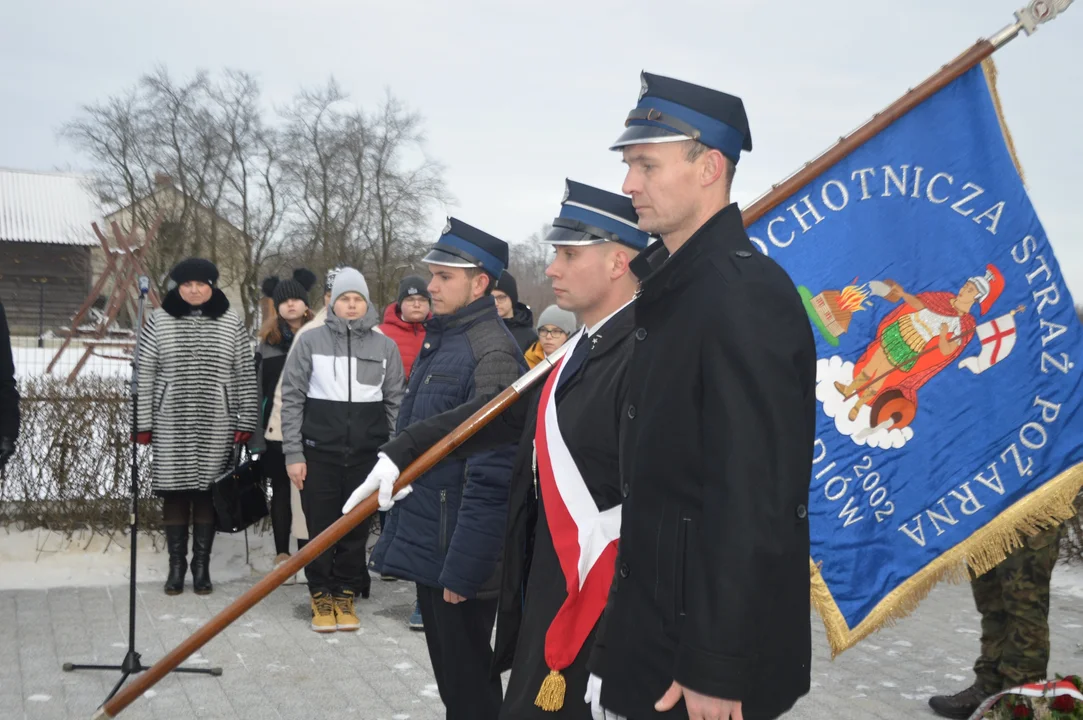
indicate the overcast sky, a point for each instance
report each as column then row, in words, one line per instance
column 519, row 95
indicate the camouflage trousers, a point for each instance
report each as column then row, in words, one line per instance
column 1013, row 599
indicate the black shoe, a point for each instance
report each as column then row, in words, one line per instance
column 961, row 705
column 176, row 542
column 202, row 540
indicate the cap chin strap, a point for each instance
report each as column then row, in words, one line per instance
column 657, row 116
column 577, row 226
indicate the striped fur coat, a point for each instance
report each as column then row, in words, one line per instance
column 197, row 386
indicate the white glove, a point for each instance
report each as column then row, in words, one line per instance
column 382, row 478
column 594, row 699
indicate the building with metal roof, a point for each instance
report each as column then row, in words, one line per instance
column 46, row 241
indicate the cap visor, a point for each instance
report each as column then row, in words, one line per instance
column 442, row 257
column 640, row 134
column 565, row 236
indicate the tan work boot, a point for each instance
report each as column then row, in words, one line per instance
column 323, row 613
column 345, row 618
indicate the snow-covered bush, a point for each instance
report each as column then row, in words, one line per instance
column 72, row 466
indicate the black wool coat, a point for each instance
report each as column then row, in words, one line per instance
column 590, row 409
column 712, row 582
column 9, row 394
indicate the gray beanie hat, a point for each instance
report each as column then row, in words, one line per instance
column 563, row 319
column 349, row 280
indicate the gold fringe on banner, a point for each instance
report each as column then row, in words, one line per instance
column 1046, row 507
column 990, row 69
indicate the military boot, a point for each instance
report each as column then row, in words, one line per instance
column 961, row 705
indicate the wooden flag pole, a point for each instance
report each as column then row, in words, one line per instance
column 317, row 545
column 1027, row 21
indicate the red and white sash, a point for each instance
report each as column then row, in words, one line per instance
column 584, row 537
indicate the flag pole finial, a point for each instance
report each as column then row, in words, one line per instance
column 1029, row 18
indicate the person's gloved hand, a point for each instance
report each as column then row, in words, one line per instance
column 382, row 478
column 240, row 437
column 7, row 449
column 594, row 699
column 143, row 438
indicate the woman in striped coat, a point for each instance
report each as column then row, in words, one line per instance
column 197, row 399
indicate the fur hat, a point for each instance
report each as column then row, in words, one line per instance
column 194, row 270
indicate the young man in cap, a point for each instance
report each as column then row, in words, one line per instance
column 709, row 612
column 404, row 319
column 567, row 427
column 447, row 535
column 517, row 316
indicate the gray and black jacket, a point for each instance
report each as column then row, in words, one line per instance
column 341, row 391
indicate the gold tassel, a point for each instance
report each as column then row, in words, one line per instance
column 990, row 71
column 551, row 695
column 1045, row 508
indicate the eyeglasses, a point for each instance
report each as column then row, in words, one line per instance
column 548, row 332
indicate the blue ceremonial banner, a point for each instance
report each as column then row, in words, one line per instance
column 949, row 375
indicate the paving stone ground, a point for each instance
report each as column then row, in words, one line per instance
column 275, row 668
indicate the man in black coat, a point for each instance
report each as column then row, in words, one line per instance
column 9, row 394
column 708, row 616
column 546, row 618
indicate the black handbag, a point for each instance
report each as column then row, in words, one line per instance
column 239, row 500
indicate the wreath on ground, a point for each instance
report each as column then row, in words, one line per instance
column 1060, row 699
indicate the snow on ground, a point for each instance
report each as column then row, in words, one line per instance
column 1068, row 578
column 40, row 559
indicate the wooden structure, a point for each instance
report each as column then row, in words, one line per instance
column 45, row 247
column 124, row 265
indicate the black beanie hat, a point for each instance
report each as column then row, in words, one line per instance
column 413, row 285
column 194, row 270
column 507, row 284
column 295, row 288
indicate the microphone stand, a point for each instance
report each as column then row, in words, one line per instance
column 132, row 662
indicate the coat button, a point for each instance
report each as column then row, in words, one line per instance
column 641, row 334
column 625, row 571
column 743, row 254
column 631, row 412
column 802, row 512
column 426, row 346
column 625, row 489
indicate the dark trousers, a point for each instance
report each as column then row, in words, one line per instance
column 274, row 467
column 1013, row 599
column 344, row 565
column 458, row 638
column 182, row 507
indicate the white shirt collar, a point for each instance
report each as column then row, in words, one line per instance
column 590, row 331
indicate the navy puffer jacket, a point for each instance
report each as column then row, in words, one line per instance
column 449, row 532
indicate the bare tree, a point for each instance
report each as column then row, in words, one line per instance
column 328, row 185
column 401, row 195
column 198, row 153
column 364, row 185
column 528, row 260
column 254, row 198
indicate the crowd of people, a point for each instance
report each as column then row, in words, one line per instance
column 635, row 526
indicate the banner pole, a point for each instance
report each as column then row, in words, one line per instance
column 1027, row 21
